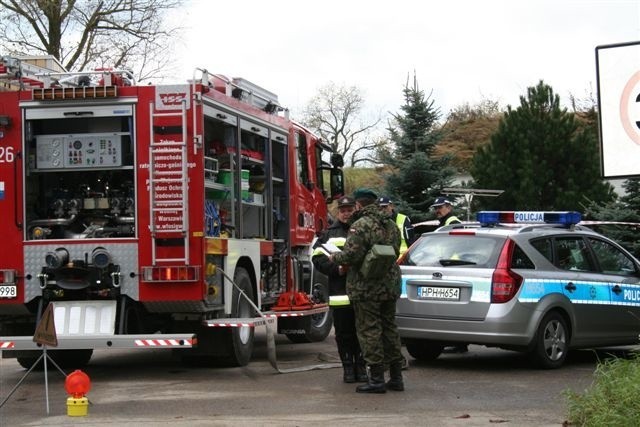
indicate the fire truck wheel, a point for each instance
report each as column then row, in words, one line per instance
column 69, row 359
column 317, row 326
column 239, row 341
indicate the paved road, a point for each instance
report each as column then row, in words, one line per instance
column 480, row 388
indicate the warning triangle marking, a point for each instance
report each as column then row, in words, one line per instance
column 46, row 330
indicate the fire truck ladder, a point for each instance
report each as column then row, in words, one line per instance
column 173, row 203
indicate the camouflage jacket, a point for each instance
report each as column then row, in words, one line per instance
column 370, row 227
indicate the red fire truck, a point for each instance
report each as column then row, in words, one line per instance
column 142, row 211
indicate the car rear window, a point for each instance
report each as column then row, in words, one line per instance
column 460, row 250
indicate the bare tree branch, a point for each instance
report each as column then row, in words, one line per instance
column 86, row 34
column 335, row 113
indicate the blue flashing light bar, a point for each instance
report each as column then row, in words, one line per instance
column 528, row 217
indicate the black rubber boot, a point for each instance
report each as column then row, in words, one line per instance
column 395, row 382
column 376, row 380
column 361, row 369
column 348, row 372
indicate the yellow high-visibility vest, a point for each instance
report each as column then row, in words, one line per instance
column 336, row 241
column 400, row 223
column 338, row 300
column 451, row 219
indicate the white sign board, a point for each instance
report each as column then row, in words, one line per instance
column 171, row 97
column 618, row 71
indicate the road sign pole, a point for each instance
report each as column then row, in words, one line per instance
column 46, row 377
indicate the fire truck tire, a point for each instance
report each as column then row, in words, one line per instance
column 66, row 359
column 318, row 326
column 238, row 342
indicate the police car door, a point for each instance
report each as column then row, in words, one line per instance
column 622, row 273
column 587, row 290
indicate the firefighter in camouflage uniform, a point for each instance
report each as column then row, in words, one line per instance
column 374, row 300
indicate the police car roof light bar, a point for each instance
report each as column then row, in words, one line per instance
column 567, row 218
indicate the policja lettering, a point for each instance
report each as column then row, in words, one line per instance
column 528, row 216
column 631, row 295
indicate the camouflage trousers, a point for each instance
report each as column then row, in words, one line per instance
column 377, row 331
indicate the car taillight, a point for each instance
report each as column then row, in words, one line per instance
column 504, row 282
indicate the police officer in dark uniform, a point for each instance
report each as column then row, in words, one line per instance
column 402, row 222
column 444, row 211
column 344, row 322
column 374, row 299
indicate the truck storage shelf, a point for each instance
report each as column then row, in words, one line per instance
column 215, row 185
column 247, row 159
column 88, row 169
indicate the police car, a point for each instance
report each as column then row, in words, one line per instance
column 535, row 282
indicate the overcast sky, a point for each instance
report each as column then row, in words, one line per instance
column 462, row 50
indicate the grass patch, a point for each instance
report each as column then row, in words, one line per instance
column 612, row 399
column 372, row 178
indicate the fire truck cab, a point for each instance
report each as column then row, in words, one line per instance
column 156, row 216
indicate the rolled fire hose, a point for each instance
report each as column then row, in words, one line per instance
column 271, row 339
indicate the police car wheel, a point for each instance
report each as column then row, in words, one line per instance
column 551, row 343
column 423, row 350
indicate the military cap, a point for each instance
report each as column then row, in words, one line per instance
column 364, row 193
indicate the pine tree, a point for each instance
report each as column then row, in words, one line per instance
column 416, row 177
column 631, row 199
column 626, row 209
column 541, row 158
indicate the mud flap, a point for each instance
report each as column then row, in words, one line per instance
column 294, row 326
